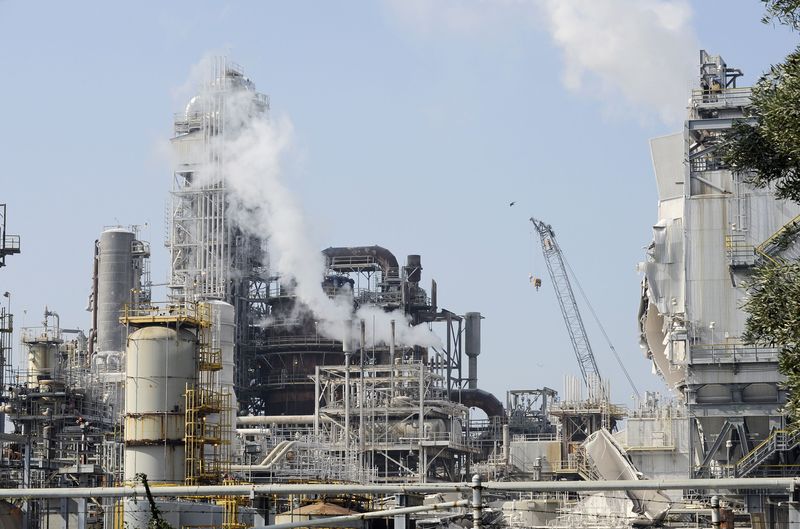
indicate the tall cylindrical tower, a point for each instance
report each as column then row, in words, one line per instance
column 115, row 280
column 160, row 363
column 472, row 345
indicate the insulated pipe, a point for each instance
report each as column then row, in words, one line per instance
column 334, row 520
column 780, row 484
column 278, row 419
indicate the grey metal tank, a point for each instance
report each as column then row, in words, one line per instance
column 115, row 280
column 160, row 362
column 472, row 345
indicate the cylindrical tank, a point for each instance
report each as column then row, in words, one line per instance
column 223, row 330
column 472, row 345
column 115, row 279
column 160, row 362
column 41, row 361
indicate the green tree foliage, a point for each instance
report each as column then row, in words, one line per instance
column 783, row 11
column 773, row 320
column 768, row 152
column 156, row 521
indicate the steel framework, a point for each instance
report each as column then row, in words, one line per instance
column 567, row 302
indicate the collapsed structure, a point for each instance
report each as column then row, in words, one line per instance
column 234, row 380
column 713, row 228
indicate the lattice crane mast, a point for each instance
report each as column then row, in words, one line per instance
column 567, row 302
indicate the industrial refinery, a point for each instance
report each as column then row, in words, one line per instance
column 338, row 387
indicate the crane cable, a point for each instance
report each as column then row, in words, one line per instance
column 602, row 329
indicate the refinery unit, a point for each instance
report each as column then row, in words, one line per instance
column 230, row 404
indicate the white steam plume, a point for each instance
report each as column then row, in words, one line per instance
column 643, row 50
column 261, row 204
column 634, row 56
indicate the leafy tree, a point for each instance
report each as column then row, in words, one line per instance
column 773, row 320
column 156, row 521
column 766, row 151
column 786, row 12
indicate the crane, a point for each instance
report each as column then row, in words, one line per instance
column 557, row 266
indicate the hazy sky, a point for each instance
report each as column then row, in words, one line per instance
column 415, row 124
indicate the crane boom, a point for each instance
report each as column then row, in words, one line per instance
column 567, row 302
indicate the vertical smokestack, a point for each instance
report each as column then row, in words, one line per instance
column 473, row 345
column 414, row 268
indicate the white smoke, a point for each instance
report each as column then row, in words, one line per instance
column 634, row 56
column 253, row 151
column 643, row 50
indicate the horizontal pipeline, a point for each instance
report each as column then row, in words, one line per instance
column 779, row 484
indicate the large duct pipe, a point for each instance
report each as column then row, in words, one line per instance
column 472, row 345
column 386, row 259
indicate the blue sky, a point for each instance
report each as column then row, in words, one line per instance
column 415, row 124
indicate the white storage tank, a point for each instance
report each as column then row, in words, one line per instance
column 160, row 362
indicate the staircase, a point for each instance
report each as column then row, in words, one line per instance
column 778, row 441
column 782, row 242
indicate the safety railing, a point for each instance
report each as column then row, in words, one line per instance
column 740, row 253
column 781, row 238
column 725, row 353
column 725, row 97
column 778, row 441
column 11, row 243
column 192, row 313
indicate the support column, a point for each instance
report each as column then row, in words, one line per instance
column 81, row 512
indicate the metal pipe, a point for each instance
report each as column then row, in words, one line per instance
column 346, row 397
column 715, row 518
column 278, row 419
column 506, row 445
column 421, row 424
column 225, row 490
column 477, row 502
column 316, row 402
column 780, row 484
column 391, row 360
column 362, row 434
column 330, row 522
column 95, row 263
